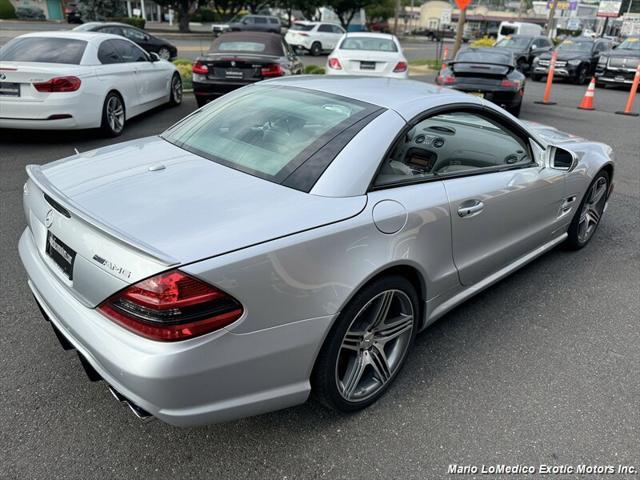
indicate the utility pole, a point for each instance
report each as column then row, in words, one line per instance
column 551, row 20
column 395, row 19
column 461, row 20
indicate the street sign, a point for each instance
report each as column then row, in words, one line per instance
column 463, row 4
column 609, row 8
column 445, row 17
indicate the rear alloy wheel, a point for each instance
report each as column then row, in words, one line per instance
column 113, row 115
column 522, row 66
column 175, row 97
column 316, row 49
column 367, row 346
column 164, row 53
column 587, row 218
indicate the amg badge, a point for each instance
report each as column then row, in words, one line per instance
column 123, row 272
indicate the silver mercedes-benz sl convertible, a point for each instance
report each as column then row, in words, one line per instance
column 292, row 237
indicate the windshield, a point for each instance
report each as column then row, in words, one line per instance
column 266, row 131
column 632, row 43
column 369, row 43
column 301, row 27
column 43, row 50
column 575, row 46
column 513, row 42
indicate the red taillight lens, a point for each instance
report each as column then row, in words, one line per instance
column 335, row 64
column 59, row 84
column 273, row 70
column 400, row 67
column 200, row 68
column 446, row 79
column 172, row 306
column 510, row 83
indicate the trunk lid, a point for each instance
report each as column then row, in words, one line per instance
column 17, row 86
column 137, row 208
column 368, row 63
column 480, row 70
column 237, row 67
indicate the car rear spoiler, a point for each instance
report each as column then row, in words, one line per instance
column 490, row 64
column 71, row 208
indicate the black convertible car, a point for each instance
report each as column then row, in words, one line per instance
column 237, row 59
column 486, row 72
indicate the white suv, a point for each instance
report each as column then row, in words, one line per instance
column 315, row 37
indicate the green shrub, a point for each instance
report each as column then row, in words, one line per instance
column 30, row 13
column 133, row 21
column 314, row 70
column 184, row 67
column 183, row 61
column 6, row 10
column 483, row 42
column 205, row 15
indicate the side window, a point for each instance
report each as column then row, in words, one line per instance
column 133, row 35
column 248, row 20
column 337, row 29
column 130, row 52
column 324, row 28
column 112, row 30
column 454, row 143
column 107, row 53
column 260, row 20
column 275, row 21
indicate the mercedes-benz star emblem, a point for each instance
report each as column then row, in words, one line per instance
column 3, row 76
column 48, row 219
column 233, row 64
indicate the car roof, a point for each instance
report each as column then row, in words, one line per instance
column 250, row 34
column 369, row 35
column 74, row 35
column 402, row 96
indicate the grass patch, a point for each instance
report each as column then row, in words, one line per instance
column 314, row 70
column 184, row 67
column 7, row 10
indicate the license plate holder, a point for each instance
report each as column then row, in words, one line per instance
column 367, row 65
column 9, row 89
column 233, row 73
column 61, row 254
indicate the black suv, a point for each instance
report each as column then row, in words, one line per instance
column 618, row 66
column 577, row 59
column 525, row 48
column 256, row 23
column 164, row 49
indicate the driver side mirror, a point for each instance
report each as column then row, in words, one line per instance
column 561, row 159
column 154, row 57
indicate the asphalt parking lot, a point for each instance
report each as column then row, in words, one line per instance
column 540, row 369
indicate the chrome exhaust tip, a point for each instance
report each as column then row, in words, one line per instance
column 138, row 411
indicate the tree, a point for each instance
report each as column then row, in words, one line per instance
column 347, row 9
column 381, row 11
column 100, row 10
column 307, row 7
column 184, row 8
column 227, row 9
column 255, row 6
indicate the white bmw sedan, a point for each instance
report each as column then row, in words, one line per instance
column 371, row 54
column 71, row 80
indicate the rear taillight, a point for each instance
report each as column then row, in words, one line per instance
column 273, row 70
column 59, row 84
column 510, row 83
column 335, row 63
column 446, row 79
column 200, row 68
column 172, row 306
column 400, row 67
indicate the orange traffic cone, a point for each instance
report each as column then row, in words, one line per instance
column 587, row 100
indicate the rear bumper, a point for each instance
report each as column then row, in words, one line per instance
column 216, row 377
column 331, row 71
column 503, row 97
column 211, row 89
column 567, row 71
column 615, row 77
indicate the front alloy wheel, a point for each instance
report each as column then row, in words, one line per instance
column 367, row 346
column 588, row 217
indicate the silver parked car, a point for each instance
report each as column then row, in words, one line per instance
column 292, row 237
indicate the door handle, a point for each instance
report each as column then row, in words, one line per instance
column 470, row 208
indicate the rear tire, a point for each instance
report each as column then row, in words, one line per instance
column 588, row 216
column 582, row 75
column 316, row 49
column 515, row 111
column 201, row 102
column 113, row 115
column 367, row 345
column 535, row 77
column 175, row 94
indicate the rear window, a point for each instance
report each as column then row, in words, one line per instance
column 484, row 57
column 241, row 47
column 248, row 42
column 506, row 30
column 514, row 42
column 369, row 43
column 43, row 50
column 267, row 131
column 301, row 27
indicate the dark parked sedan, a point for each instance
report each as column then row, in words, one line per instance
column 525, row 48
column 488, row 73
column 150, row 43
column 237, row 59
column 577, row 59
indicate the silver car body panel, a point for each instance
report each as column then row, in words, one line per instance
column 293, row 259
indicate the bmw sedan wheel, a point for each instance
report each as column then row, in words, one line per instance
column 113, row 115
column 176, row 90
column 367, row 346
column 587, row 218
column 164, row 53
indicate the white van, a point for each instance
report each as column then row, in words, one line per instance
column 518, row 28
